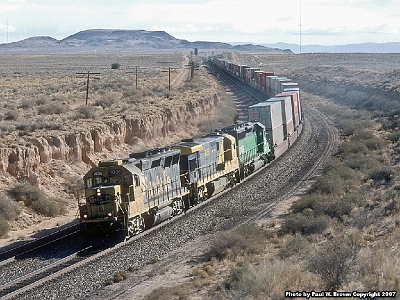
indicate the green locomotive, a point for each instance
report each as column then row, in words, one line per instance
column 253, row 147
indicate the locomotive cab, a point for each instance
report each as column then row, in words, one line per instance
column 113, row 191
column 123, row 197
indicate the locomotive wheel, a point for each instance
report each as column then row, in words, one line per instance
column 135, row 226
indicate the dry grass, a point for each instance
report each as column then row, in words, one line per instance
column 43, row 95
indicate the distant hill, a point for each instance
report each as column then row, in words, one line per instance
column 393, row 47
column 123, row 41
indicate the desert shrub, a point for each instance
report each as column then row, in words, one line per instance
column 27, row 103
column 307, row 201
column 9, row 209
column 328, row 184
column 349, row 126
column 33, row 197
column 27, row 126
column 4, row 226
column 41, row 101
column 384, row 175
column 85, row 112
column 268, row 280
column 105, row 102
column 118, row 277
column 247, row 239
column 304, row 224
column 179, row 292
column 394, row 136
column 297, row 245
column 332, row 262
column 51, row 109
column 115, row 66
column 361, row 163
column 368, row 138
column 11, row 115
column 6, row 127
column 353, row 147
column 336, row 208
column 52, row 124
column 47, row 207
column 334, row 179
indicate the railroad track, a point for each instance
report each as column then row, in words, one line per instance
column 40, row 276
column 314, row 117
column 37, row 243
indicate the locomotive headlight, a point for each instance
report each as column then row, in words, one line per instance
column 109, row 214
column 98, row 192
column 85, row 216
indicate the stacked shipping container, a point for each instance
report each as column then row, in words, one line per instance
column 282, row 114
column 287, row 115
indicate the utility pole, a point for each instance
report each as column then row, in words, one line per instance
column 169, row 76
column 136, row 74
column 87, row 82
column 300, row 26
column 192, row 66
column 169, row 72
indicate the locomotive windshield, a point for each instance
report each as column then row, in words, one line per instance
column 96, row 181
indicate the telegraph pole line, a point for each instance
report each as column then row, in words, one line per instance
column 169, row 72
column 136, row 74
column 88, row 74
column 300, row 26
column 192, row 66
column 169, row 76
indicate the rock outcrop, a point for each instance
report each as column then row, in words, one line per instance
column 87, row 147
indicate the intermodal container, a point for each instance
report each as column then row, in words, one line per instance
column 296, row 121
column 294, row 96
column 236, row 70
column 263, row 79
column 269, row 84
column 288, row 128
column 288, row 86
column 242, row 72
column 267, row 113
column 258, row 79
column 286, row 105
column 250, row 76
column 276, row 82
column 276, row 135
column 229, row 67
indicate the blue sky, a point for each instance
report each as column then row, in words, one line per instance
column 330, row 22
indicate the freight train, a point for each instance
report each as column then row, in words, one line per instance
column 124, row 197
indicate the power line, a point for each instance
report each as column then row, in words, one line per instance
column 88, row 73
column 136, row 73
column 300, row 26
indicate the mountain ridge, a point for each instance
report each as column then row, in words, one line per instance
column 122, row 41
column 389, row 47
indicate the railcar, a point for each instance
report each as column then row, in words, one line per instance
column 252, row 145
column 123, row 197
column 208, row 165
